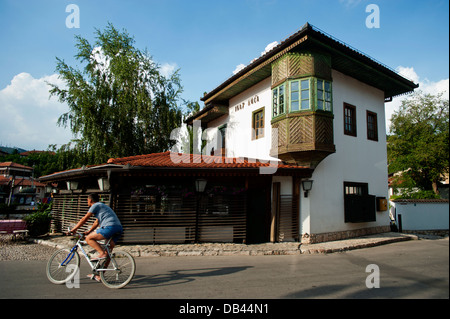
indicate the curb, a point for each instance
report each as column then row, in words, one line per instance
column 270, row 249
column 322, row 248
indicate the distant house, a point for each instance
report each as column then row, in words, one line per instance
column 18, row 186
column 296, row 151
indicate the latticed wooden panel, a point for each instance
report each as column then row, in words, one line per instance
column 295, row 65
column 324, row 130
column 301, row 130
column 282, row 134
column 279, row 138
column 300, row 65
column 279, row 71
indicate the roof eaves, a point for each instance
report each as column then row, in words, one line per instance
column 307, row 29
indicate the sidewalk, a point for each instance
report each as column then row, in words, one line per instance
column 241, row 249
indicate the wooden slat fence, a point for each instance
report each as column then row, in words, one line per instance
column 173, row 219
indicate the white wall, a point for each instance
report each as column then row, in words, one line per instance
column 239, row 123
column 423, row 216
column 357, row 159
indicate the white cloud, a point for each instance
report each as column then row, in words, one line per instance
column 269, row 47
column 350, row 3
column 425, row 86
column 408, row 73
column 28, row 116
column 167, row 69
column 238, row 68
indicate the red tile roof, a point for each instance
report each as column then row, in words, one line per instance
column 27, row 183
column 4, row 180
column 20, row 182
column 176, row 161
column 12, row 164
column 170, row 160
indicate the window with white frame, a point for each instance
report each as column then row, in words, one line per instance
column 302, row 95
column 324, row 95
column 278, row 97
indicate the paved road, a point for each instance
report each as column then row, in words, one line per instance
column 413, row 269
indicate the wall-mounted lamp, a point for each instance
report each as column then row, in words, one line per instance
column 103, row 184
column 72, row 185
column 200, row 185
column 307, row 186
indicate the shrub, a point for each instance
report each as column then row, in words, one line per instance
column 38, row 223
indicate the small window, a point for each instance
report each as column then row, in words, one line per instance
column 278, row 101
column 258, row 124
column 372, row 126
column 222, row 136
column 305, row 97
column 349, row 119
column 295, row 96
column 360, row 189
column 324, row 95
column 300, row 95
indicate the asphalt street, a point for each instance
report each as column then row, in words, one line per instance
column 412, row 269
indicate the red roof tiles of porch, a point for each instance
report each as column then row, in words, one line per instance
column 169, row 159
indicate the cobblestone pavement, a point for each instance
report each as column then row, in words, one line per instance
column 41, row 249
column 23, row 250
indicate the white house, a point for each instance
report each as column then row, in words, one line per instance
column 315, row 102
column 299, row 153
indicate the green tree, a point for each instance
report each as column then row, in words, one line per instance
column 419, row 141
column 119, row 103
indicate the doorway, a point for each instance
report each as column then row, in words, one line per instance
column 258, row 212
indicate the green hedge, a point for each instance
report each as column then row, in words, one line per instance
column 38, row 223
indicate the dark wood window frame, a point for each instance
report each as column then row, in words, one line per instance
column 258, row 124
column 350, row 120
column 372, row 126
column 223, row 132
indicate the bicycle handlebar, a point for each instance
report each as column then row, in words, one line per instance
column 81, row 235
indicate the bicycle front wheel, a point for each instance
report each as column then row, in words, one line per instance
column 119, row 270
column 63, row 266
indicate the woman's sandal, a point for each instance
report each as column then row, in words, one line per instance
column 94, row 277
column 98, row 258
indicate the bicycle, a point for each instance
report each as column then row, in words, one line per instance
column 115, row 271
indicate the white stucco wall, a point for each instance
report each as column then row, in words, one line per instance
column 239, row 123
column 422, row 216
column 357, row 159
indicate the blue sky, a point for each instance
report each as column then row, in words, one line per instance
column 206, row 40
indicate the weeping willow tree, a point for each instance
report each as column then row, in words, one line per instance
column 119, row 102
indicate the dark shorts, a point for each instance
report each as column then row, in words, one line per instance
column 108, row 232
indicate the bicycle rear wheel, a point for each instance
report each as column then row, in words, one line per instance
column 62, row 266
column 120, row 270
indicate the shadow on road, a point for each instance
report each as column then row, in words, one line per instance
column 176, row 277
